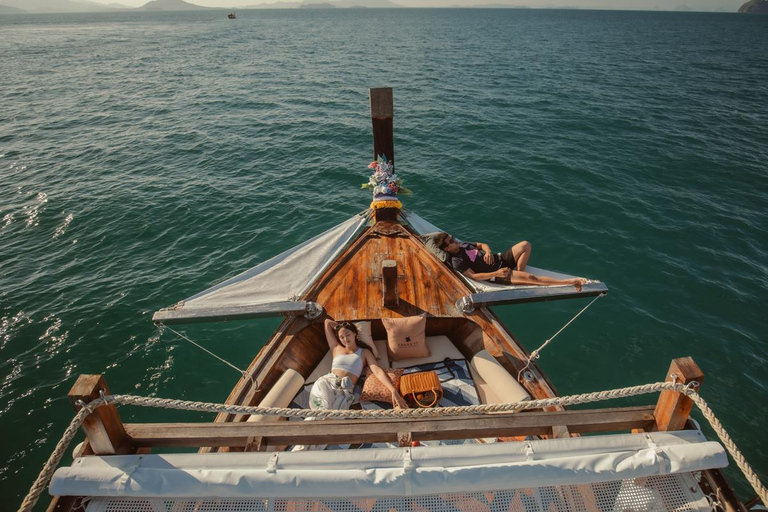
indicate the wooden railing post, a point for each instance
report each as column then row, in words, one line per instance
column 673, row 408
column 103, row 428
column 389, row 280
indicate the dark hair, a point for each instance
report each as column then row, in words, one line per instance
column 352, row 327
column 443, row 239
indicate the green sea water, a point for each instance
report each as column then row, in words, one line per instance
column 144, row 157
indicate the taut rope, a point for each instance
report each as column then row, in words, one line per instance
column 535, row 354
column 245, row 374
column 53, row 461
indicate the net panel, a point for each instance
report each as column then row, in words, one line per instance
column 679, row 493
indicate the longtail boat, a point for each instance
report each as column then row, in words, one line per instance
column 499, row 440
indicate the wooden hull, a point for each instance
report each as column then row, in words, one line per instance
column 351, row 289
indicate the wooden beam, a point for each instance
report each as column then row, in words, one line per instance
column 673, row 408
column 382, row 113
column 103, row 428
column 387, row 430
column 389, row 283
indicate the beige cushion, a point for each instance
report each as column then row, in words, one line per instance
column 364, row 335
column 381, row 346
column 487, row 370
column 440, row 347
column 405, row 337
column 322, row 368
column 281, row 394
column 364, row 331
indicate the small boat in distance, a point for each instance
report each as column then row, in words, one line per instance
column 232, row 15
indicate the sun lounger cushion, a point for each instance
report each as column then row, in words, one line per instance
column 440, row 347
column 281, row 394
column 494, row 384
column 405, row 337
column 434, row 248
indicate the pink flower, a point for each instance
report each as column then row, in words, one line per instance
column 372, row 165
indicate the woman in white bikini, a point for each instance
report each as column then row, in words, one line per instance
column 350, row 355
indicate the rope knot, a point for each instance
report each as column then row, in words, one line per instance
column 84, row 406
column 693, row 385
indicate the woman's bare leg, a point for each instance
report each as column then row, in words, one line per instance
column 522, row 253
column 518, row 277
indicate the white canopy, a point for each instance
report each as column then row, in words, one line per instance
column 271, row 288
column 391, row 471
column 487, row 293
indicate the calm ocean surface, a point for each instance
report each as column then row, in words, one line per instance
column 144, row 157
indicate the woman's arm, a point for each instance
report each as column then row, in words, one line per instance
column 503, row 273
column 330, row 334
column 488, row 254
column 384, row 379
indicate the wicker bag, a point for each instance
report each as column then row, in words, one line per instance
column 421, row 389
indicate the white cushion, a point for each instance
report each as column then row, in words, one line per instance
column 364, row 331
column 281, row 394
column 505, row 389
column 440, row 347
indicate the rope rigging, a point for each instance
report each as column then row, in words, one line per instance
column 243, row 373
column 689, row 390
column 535, row 354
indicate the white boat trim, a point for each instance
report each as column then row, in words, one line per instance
column 391, row 471
column 268, row 288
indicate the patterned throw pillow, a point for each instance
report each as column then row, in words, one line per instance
column 405, row 337
column 374, row 390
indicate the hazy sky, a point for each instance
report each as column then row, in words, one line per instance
column 665, row 5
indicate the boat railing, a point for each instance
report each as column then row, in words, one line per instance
column 107, row 434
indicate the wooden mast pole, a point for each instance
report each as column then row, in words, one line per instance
column 382, row 114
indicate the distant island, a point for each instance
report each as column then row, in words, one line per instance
column 755, row 7
column 172, row 5
column 35, row 6
column 317, row 6
column 7, row 9
column 55, row 6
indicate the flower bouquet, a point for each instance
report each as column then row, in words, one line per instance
column 384, row 184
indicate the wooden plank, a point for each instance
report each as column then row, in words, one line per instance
column 387, row 430
column 103, row 428
column 673, row 408
column 389, row 283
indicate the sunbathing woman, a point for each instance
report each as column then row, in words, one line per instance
column 350, row 355
column 478, row 262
